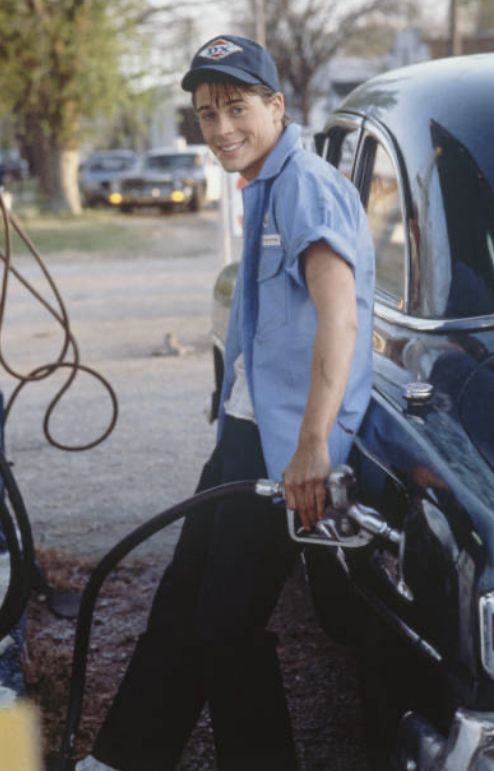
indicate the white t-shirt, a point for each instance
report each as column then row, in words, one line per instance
column 239, row 405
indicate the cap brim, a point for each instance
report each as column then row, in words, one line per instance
column 199, row 75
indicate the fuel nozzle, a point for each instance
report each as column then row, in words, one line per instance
column 341, row 486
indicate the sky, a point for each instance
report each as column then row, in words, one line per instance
column 217, row 21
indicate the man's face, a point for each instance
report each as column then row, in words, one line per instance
column 240, row 128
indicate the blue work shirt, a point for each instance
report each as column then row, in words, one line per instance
column 296, row 200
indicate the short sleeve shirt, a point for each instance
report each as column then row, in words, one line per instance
column 296, row 200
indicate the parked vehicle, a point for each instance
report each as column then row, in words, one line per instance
column 12, row 167
column 419, row 607
column 99, row 173
column 170, row 178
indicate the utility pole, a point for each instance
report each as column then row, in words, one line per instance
column 260, row 17
column 454, row 39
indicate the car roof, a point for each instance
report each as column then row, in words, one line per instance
column 437, row 109
column 172, row 151
column 429, row 90
column 117, row 152
column 411, row 103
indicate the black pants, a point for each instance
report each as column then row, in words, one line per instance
column 206, row 638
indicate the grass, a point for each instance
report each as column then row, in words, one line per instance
column 102, row 232
column 91, row 232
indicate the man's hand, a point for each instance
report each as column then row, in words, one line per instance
column 304, row 479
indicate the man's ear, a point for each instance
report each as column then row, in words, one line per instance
column 278, row 102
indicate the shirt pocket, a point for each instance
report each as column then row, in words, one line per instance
column 273, row 289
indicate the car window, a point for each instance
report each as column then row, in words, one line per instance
column 175, row 161
column 387, row 228
column 340, row 148
column 111, row 164
column 467, row 190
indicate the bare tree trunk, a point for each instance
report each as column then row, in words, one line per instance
column 305, row 104
column 66, row 198
column 454, row 43
column 54, row 160
column 36, row 149
column 260, row 17
column 45, row 169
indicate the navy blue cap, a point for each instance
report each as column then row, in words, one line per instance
column 235, row 57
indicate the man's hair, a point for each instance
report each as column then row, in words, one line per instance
column 221, row 86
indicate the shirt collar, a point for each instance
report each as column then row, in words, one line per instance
column 287, row 142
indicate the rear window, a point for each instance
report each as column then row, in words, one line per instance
column 166, row 162
column 111, row 164
column 466, row 186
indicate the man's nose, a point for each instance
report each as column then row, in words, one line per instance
column 224, row 124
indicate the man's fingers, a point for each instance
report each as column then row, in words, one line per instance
column 310, row 503
column 320, row 497
column 308, row 500
column 295, row 500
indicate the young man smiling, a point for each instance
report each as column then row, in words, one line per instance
column 240, row 127
column 297, row 382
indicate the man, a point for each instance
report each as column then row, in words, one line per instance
column 297, row 382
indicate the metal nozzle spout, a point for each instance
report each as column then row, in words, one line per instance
column 269, row 489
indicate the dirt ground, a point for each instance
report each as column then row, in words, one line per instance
column 320, row 678
column 80, row 504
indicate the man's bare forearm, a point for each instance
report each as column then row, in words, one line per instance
column 331, row 286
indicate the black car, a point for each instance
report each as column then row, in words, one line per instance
column 407, row 576
column 167, row 178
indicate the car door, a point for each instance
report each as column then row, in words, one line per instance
column 423, row 588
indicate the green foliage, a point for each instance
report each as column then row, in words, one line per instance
column 60, row 60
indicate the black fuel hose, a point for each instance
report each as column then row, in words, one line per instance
column 15, row 526
column 63, row 760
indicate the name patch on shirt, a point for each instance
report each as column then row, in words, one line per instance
column 271, row 239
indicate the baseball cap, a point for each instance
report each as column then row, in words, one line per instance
column 236, row 57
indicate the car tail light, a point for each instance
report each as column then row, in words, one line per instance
column 487, row 632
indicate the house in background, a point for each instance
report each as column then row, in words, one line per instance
column 345, row 73
column 409, row 47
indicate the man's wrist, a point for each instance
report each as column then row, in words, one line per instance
column 311, row 437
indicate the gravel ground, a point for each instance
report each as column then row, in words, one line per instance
column 80, row 504
column 320, row 678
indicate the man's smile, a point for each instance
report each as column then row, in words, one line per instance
column 231, row 148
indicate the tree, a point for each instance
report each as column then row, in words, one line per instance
column 58, row 62
column 63, row 61
column 304, row 35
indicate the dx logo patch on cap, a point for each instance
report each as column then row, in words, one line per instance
column 219, row 49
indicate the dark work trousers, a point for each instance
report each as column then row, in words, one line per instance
column 206, row 639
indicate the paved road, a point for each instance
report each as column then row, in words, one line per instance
column 121, row 310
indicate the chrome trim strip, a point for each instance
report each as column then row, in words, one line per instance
column 344, row 120
column 486, row 615
column 269, row 489
column 469, row 745
column 382, row 137
column 398, row 623
column 393, row 316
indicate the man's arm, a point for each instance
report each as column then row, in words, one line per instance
column 331, row 286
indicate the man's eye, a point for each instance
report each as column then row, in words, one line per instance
column 235, row 111
column 206, row 117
